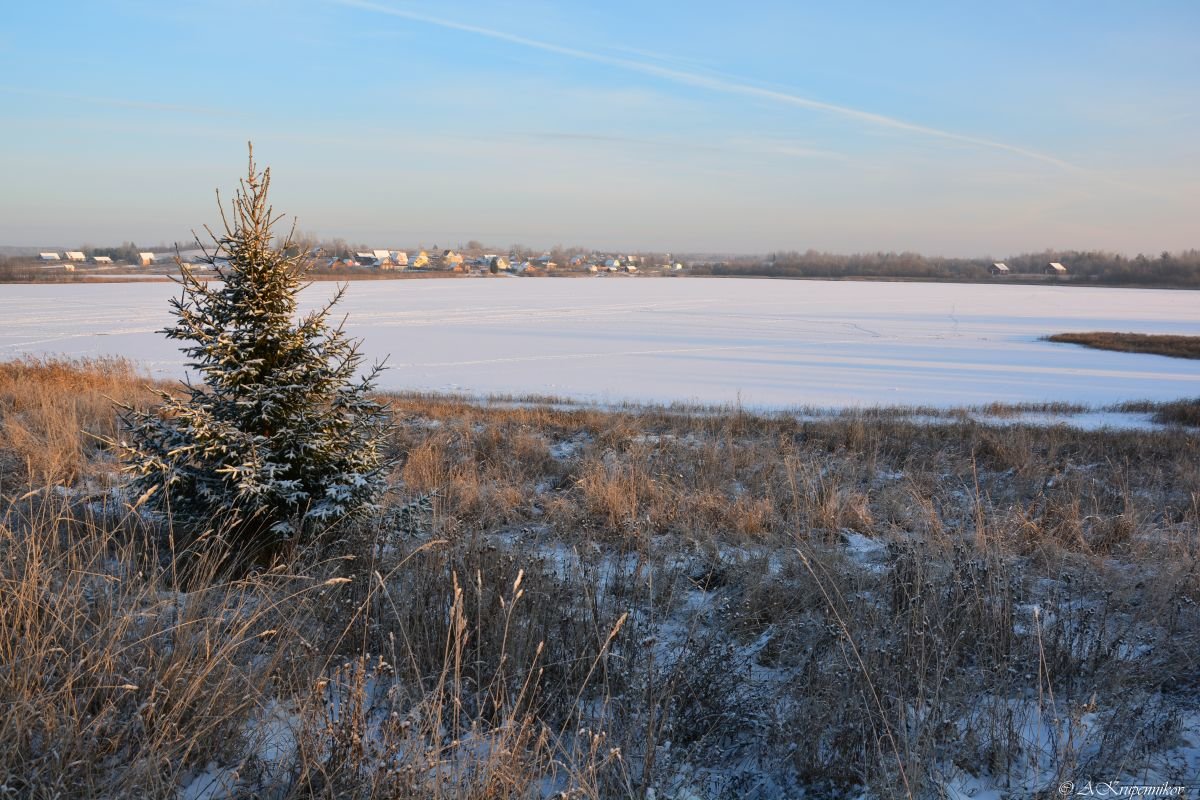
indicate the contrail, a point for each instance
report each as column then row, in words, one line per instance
column 722, row 85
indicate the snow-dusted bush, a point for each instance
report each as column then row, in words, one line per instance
column 280, row 438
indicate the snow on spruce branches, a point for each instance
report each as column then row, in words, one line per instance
column 280, row 437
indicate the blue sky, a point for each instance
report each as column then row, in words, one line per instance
column 948, row 128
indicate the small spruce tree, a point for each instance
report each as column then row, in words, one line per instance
column 280, row 439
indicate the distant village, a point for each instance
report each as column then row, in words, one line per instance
column 342, row 260
column 423, row 260
column 1052, row 269
column 390, row 261
column 458, row 262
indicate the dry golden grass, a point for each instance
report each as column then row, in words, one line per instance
column 1156, row 344
column 115, row 680
column 1183, row 412
column 45, row 406
column 605, row 603
column 117, row 683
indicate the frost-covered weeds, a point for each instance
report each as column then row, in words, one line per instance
column 627, row 604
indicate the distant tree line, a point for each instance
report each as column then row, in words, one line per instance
column 15, row 269
column 1180, row 269
column 126, row 251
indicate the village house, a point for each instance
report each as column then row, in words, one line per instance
column 999, row 268
column 75, row 255
column 145, row 259
column 48, row 257
column 102, row 260
column 1055, row 268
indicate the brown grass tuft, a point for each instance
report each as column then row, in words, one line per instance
column 1156, row 344
column 55, row 412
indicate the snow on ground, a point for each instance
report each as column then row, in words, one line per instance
column 763, row 343
column 1086, row 420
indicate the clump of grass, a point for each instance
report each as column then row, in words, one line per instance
column 116, row 682
column 317, row 679
column 1156, row 344
column 1182, row 412
column 55, row 413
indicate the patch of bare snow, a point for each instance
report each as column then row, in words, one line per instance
column 214, row 782
column 1084, row 420
column 568, row 448
column 864, row 551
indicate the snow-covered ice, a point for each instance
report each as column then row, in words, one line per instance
column 763, row 343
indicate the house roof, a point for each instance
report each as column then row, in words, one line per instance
column 48, row 256
column 1057, row 267
column 1000, row 265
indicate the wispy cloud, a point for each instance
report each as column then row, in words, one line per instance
column 600, row 138
column 666, row 144
column 786, row 147
column 119, row 102
column 780, row 147
column 715, row 84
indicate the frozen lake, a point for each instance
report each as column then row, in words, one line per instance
column 765, row 343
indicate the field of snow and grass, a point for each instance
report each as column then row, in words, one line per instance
column 639, row 602
column 759, row 342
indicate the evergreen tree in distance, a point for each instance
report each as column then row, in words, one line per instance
column 280, row 439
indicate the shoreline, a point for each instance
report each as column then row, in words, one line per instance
column 1033, row 280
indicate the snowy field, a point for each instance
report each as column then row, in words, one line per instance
column 764, row 343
